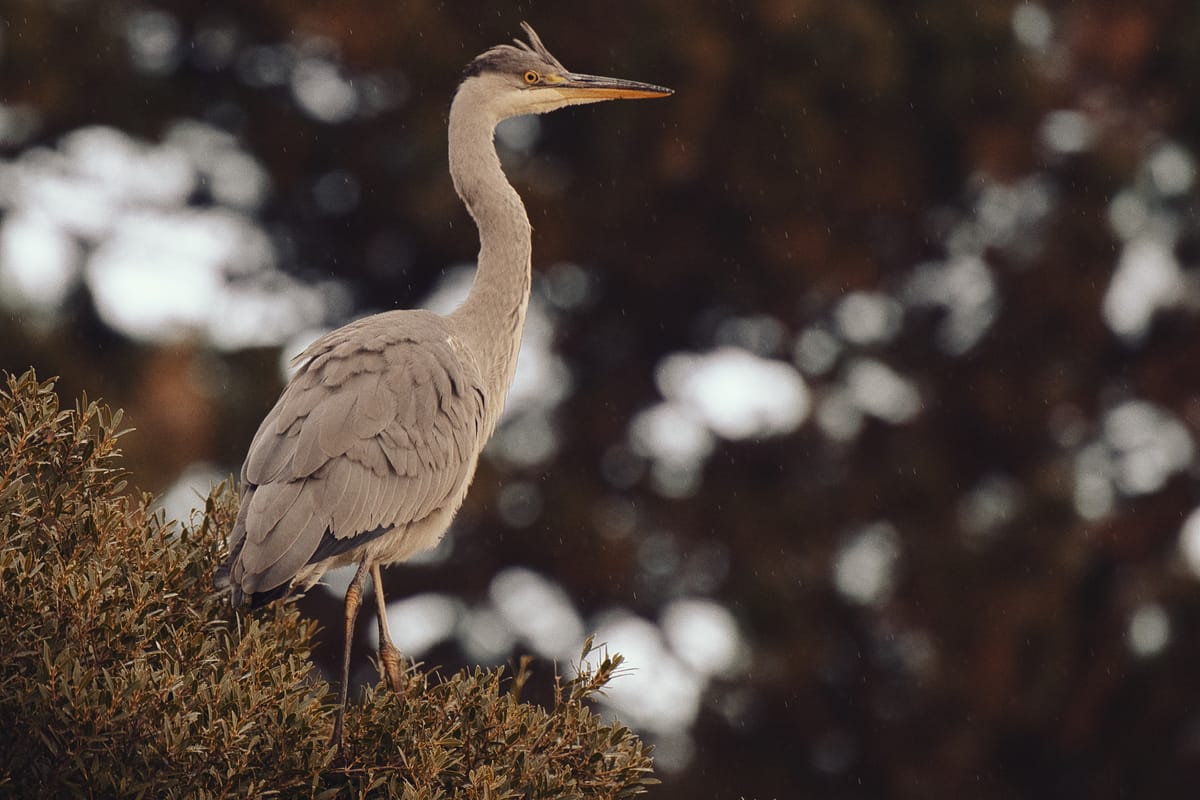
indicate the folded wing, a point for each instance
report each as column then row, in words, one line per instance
column 378, row 429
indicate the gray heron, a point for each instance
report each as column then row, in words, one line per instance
column 368, row 452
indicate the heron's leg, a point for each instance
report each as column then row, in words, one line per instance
column 389, row 656
column 353, row 601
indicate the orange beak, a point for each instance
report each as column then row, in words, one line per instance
column 595, row 87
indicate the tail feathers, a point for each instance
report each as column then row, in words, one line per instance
column 223, row 579
column 259, row 599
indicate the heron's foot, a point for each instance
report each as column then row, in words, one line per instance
column 389, row 660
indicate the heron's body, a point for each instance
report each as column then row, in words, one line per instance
column 369, row 451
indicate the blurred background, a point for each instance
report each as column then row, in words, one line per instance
column 859, row 399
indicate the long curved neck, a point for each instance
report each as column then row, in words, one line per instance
column 490, row 320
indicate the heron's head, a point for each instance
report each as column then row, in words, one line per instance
column 527, row 79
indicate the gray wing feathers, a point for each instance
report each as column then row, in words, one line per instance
column 339, row 485
column 268, row 504
column 379, row 428
column 269, row 455
column 273, row 557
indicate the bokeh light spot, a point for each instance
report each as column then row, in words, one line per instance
column 420, row 622
column 864, row 570
column 539, row 611
column 1149, row 630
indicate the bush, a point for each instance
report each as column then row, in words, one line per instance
column 124, row 673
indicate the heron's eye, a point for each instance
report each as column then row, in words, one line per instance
column 531, row 76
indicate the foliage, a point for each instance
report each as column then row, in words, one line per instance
column 125, row 674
